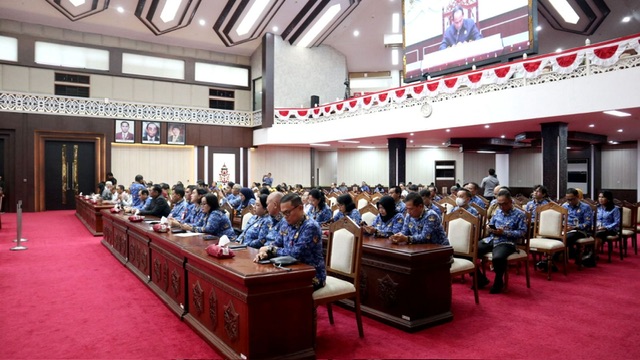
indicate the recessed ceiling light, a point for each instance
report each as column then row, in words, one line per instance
column 349, row 141
column 202, row 22
column 448, row 130
column 502, row 136
column 356, row 33
column 617, row 113
column 487, row 126
column 411, row 134
column 566, row 11
column 559, row 50
column 366, row 147
column 394, row 56
column 170, row 10
column 274, row 29
column 320, row 144
column 77, row 3
column 322, row 23
column 485, row 152
column 613, row 142
column 120, row 9
column 592, row 125
column 444, row 144
column 620, row 130
column 538, row 28
column 430, row 146
column 411, row 141
column 626, row 19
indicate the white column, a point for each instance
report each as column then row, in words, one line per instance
column 502, row 168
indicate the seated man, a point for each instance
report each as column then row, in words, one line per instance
column 510, row 226
column 301, row 238
column 421, row 226
column 396, row 193
column 143, row 201
column 426, row 195
column 463, row 201
column 180, row 205
column 475, row 198
column 540, row 197
column 461, row 29
column 122, row 197
column 158, row 205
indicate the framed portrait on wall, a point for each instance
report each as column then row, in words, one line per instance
column 125, row 131
column 176, row 134
column 150, row 132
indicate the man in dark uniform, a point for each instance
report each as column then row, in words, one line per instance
column 158, row 205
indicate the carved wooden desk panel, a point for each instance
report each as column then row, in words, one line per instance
column 406, row 286
column 115, row 236
column 139, row 259
column 90, row 215
column 244, row 308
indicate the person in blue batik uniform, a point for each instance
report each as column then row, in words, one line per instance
column 540, row 197
column 421, row 226
column 426, row 195
column 463, row 201
column 258, row 227
column 319, row 210
column 134, row 190
column 365, row 187
column 388, row 221
column 246, row 198
column 510, row 226
column 215, row 221
column 475, row 199
column 300, row 238
column 346, row 207
column 180, row 205
column 608, row 220
column 396, row 193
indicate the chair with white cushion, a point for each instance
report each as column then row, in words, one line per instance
column 550, row 234
column 629, row 225
column 369, row 213
column 247, row 213
column 462, row 231
column 344, row 250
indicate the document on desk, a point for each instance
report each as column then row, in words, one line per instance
column 187, row 234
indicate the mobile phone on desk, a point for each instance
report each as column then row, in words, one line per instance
column 264, row 262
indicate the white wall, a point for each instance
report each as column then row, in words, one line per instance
column 357, row 165
column 525, row 167
column 327, row 163
column 302, row 72
column 157, row 163
column 286, row 164
column 476, row 166
column 421, row 163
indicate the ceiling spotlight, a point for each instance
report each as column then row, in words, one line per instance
column 617, row 113
column 626, row 19
column 538, row 28
column 487, row 126
column 559, row 50
column 620, row 130
column 274, row 29
column 411, row 134
column 592, row 125
column 120, row 9
column 448, row 130
column 202, row 22
column 411, row 141
column 356, row 33
column 502, row 136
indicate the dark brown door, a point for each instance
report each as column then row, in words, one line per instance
column 69, row 170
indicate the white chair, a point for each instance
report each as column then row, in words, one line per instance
column 369, row 213
column 550, row 234
column 344, row 250
column 462, row 231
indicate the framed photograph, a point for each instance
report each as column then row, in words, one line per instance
column 176, row 134
column 150, row 132
column 125, row 131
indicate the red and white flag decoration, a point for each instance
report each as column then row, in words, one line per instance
column 605, row 54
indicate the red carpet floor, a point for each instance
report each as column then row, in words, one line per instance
column 67, row 297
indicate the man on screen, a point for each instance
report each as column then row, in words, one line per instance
column 460, row 30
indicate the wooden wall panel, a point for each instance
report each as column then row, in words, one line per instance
column 476, row 167
column 619, row 167
column 286, row 164
column 327, row 163
column 525, row 168
column 357, row 165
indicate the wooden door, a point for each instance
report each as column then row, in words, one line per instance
column 69, row 170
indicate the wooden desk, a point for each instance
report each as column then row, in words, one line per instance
column 240, row 307
column 89, row 214
column 406, row 286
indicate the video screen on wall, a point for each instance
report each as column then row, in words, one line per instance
column 443, row 36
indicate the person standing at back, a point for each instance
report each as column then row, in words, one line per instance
column 489, row 183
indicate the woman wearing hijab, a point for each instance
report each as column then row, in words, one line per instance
column 346, row 207
column 319, row 211
column 214, row 222
column 608, row 220
column 246, row 198
column 255, row 234
column 388, row 221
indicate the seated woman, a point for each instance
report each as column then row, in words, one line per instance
column 346, row 207
column 388, row 221
column 255, row 234
column 246, row 198
column 214, row 222
column 320, row 211
column 608, row 220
